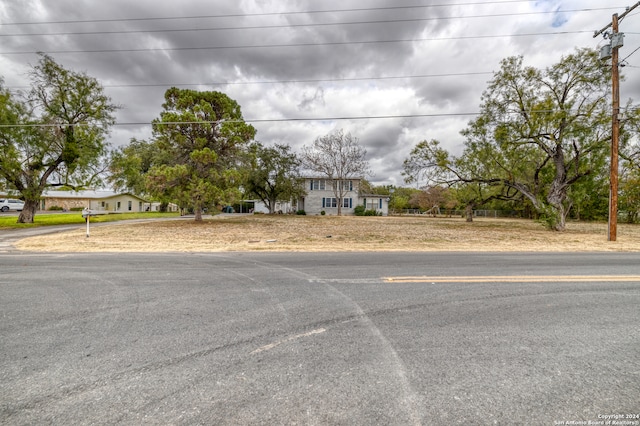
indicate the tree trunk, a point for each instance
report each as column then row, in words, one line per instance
column 198, row 214
column 29, row 211
column 556, row 200
column 469, row 212
column 558, row 192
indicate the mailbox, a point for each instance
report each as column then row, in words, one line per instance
column 88, row 212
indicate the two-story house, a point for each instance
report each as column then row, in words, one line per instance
column 321, row 196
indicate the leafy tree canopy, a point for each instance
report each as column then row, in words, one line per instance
column 203, row 141
column 539, row 135
column 54, row 135
column 130, row 164
column 274, row 175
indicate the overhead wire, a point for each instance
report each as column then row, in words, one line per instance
column 292, row 45
column 257, row 120
column 313, row 80
column 263, row 46
column 321, row 24
column 271, row 120
column 627, row 57
column 243, row 15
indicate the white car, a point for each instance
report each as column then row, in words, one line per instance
column 7, row 204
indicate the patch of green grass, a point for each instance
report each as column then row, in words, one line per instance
column 50, row 219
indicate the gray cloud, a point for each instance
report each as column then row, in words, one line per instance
column 432, row 46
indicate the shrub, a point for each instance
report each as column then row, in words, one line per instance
column 76, row 209
column 55, row 208
column 362, row 211
column 301, row 213
column 323, row 212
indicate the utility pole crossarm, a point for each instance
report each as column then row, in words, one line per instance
column 629, row 9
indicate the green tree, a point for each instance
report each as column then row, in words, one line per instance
column 129, row 168
column 129, row 165
column 338, row 157
column 431, row 162
column 54, row 137
column 629, row 199
column 367, row 188
column 203, row 141
column 274, row 175
column 432, row 198
column 539, row 133
column 630, row 196
column 401, row 197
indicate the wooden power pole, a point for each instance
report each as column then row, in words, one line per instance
column 612, row 49
column 615, row 139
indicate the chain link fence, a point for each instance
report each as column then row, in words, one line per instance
column 456, row 213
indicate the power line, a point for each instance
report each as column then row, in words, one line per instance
column 324, row 24
column 243, row 15
column 257, row 120
column 627, row 57
column 272, row 120
column 341, row 43
column 317, row 80
column 466, row 74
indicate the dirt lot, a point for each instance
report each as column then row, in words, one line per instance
column 331, row 233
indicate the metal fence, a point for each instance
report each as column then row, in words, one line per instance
column 454, row 213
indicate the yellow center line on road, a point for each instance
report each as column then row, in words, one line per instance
column 514, row 279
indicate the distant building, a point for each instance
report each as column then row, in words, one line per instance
column 284, row 207
column 94, row 200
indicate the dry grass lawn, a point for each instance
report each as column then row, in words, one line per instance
column 226, row 233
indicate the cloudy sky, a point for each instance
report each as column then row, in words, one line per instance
column 390, row 72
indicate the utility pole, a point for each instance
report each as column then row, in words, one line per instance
column 611, row 51
column 612, row 233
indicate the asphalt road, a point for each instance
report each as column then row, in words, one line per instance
column 319, row 338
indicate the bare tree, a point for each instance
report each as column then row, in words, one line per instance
column 338, row 157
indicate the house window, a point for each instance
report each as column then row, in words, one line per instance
column 373, row 204
column 347, row 185
column 139, row 206
column 118, row 206
column 329, row 202
column 129, row 205
column 317, row 185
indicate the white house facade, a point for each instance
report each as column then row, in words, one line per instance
column 322, row 197
column 379, row 203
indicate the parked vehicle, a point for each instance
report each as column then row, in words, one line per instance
column 7, row 204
